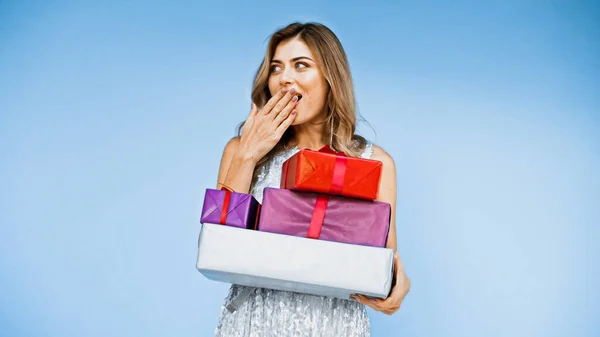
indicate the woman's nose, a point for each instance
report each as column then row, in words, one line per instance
column 287, row 76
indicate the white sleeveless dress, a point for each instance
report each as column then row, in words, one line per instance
column 267, row 312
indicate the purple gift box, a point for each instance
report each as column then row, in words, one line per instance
column 230, row 208
column 329, row 218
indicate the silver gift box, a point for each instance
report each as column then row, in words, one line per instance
column 283, row 262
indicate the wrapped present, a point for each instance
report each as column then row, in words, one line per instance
column 330, row 172
column 230, row 208
column 325, row 217
column 289, row 263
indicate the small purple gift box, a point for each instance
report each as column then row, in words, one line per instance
column 325, row 217
column 230, row 208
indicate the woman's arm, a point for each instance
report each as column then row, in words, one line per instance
column 387, row 190
column 260, row 133
column 236, row 168
column 387, row 193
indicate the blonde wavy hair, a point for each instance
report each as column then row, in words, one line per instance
column 340, row 102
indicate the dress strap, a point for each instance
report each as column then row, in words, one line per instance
column 368, row 151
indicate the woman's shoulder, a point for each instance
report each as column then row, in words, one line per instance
column 388, row 174
column 373, row 151
column 378, row 153
column 232, row 145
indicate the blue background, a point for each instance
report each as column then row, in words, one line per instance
column 113, row 117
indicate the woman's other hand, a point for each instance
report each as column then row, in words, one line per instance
column 392, row 303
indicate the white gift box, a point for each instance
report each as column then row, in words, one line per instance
column 283, row 262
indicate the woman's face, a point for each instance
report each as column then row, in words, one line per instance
column 294, row 66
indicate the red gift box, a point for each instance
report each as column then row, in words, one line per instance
column 329, row 172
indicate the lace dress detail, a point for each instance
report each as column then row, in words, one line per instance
column 269, row 312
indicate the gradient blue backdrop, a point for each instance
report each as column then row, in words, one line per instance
column 113, row 117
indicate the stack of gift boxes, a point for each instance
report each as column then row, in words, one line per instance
column 320, row 233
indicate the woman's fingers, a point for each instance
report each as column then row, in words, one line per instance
column 282, row 103
column 287, row 110
column 273, row 101
column 253, row 110
column 373, row 303
column 286, row 123
column 388, row 306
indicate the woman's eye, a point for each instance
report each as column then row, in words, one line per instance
column 274, row 68
column 301, row 65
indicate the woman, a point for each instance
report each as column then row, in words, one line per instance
column 302, row 98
